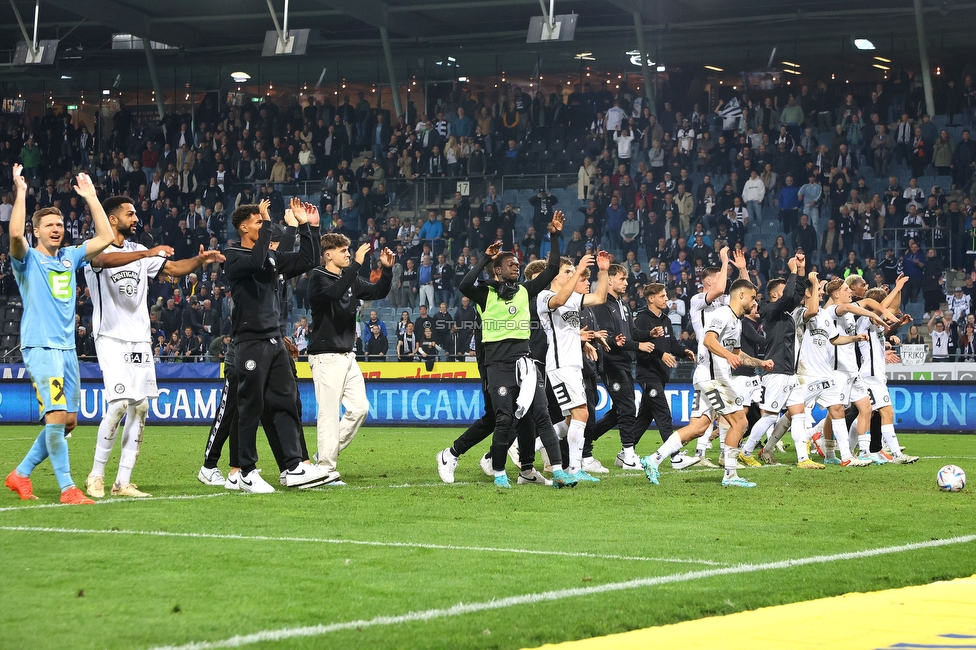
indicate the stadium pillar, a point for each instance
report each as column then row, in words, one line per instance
column 923, row 57
column 645, row 69
column 385, row 36
column 147, row 46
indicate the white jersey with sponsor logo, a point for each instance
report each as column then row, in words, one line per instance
column 700, row 310
column 562, row 328
column 873, row 350
column 845, row 357
column 119, row 296
column 816, row 350
column 728, row 329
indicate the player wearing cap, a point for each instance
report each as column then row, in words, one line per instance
column 719, row 353
column 119, row 279
column 559, row 312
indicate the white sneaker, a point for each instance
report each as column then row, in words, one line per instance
column 211, row 477
column 593, row 466
column 619, row 460
column 513, row 453
column 446, row 464
column 232, row 483
column 532, row 477
column 704, row 462
column 486, row 466
column 630, row 462
column 684, row 461
column 904, row 459
column 252, row 483
column 305, row 475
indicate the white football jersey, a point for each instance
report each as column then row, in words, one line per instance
column 816, row 350
column 873, row 350
column 845, row 358
column 562, row 328
column 728, row 328
column 119, row 296
column 700, row 311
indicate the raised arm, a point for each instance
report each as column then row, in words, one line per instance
column 381, row 289
column 104, row 237
column 318, row 290
column 114, row 260
column 18, row 218
column 541, row 281
column 559, row 298
column 179, row 268
column 468, row 287
column 241, row 265
column 811, row 303
column 599, row 296
column 723, row 277
column 894, row 297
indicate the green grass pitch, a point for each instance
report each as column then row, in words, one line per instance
column 104, row 576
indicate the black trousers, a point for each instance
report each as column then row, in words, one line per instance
column 483, row 427
column 622, row 413
column 654, row 407
column 223, row 429
column 877, row 443
column 266, row 380
column 589, row 385
column 505, row 391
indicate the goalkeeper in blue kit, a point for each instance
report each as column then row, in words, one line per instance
column 46, row 277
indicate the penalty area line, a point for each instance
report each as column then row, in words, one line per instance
column 550, row 596
column 354, row 542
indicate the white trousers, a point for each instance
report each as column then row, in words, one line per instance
column 338, row 382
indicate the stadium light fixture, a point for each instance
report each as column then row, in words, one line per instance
column 881, row 67
column 585, row 56
column 791, row 64
column 240, row 77
column 715, row 68
column 882, row 59
column 661, row 68
column 863, row 44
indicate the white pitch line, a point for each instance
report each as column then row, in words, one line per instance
column 549, row 596
column 354, row 542
column 105, row 502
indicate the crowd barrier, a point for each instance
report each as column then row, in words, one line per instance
column 923, row 406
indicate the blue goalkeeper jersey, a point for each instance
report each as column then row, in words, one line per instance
column 47, row 287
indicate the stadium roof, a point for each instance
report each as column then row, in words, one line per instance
column 485, row 36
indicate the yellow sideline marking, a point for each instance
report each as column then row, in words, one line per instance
column 937, row 615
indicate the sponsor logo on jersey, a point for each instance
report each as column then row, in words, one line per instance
column 136, row 357
column 572, row 318
column 730, row 344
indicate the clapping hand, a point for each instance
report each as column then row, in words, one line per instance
column 387, row 258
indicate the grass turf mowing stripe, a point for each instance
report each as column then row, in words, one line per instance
column 549, row 596
column 315, row 540
column 105, row 502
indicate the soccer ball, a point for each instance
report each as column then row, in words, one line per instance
column 951, row 479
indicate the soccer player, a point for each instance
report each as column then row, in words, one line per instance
column 712, row 296
column 119, row 278
column 512, row 374
column 46, row 276
column 334, row 291
column 719, row 353
column 266, row 379
column 873, row 362
column 614, row 316
column 654, row 369
column 779, row 316
column 559, row 312
column 816, row 376
column 848, row 387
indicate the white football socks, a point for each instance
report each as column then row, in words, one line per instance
column 107, row 431
column 132, row 432
column 798, row 430
column 574, row 438
column 671, row 446
column 843, row 443
column 759, row 429
column 891, row 439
